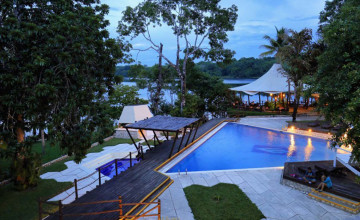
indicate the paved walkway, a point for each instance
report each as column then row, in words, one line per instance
column 277, row 123
column 87, row 166
column 263, row 187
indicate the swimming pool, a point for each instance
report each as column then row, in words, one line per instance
column 237, row 146
column 122, row 165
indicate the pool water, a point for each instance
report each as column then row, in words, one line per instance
column 237, row 146
column 123, row 164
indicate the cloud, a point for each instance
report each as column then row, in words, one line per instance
column 255, row 19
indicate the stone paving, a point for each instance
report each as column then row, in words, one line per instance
column 262, row 186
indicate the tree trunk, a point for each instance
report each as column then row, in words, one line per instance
column 42, row 141
column 183, row 91
column 288, row 96
column 159, row 84
column 20, row 134
column 296, row 102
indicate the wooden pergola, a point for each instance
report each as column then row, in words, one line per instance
column 166, row 124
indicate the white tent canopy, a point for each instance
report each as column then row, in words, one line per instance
column 273, row 81
column 134, row 113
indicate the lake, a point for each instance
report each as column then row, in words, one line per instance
column 170, row 98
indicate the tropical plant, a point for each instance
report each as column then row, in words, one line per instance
column 296, row 59
column 275, row 45
column 203, row 21
column 57, row 62
column 338, row 77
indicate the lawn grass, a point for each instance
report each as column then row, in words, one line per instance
column 222, row 201
column 23, row 204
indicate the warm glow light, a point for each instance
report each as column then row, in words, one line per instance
column 271, row 94
column 292, row 147
column 310, row 130
column 308, row 149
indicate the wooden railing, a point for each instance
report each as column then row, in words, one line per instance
column 76, row 181
column 61, row 214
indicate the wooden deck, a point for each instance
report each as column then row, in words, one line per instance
column 132, row 185
column 343, row 179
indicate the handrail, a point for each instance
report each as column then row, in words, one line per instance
column 120, row 209
column 76, row 181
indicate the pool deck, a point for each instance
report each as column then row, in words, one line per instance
column 262, row 186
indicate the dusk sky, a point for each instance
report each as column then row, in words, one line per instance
column 255, row 19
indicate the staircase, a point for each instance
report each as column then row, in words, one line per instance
column 335, row 201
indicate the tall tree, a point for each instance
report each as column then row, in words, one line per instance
column 338, row 76
column 274, row 47
column 194, row 24
column 296, row 60
column 56, row 62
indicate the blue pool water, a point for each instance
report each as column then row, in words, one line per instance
column 238, row 146
column 123, row 164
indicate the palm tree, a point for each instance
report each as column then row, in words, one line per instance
column 275, row 44
column 296, row 60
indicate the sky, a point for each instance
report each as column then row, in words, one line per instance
column 256, row 18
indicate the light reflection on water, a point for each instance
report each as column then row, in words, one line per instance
column 292, row 147
column 308, row 150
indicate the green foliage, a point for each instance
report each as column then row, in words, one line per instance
column 121, row 96
column 207, row 20
column 57, row 62
column 242, row 68
column 222, row 201
column 275, row 44
column 25, row 166
column 338, row 76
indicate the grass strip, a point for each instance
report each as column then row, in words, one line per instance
column 222, row 201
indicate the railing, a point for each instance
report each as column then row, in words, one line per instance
column 99, row 177
column 76, row 181
column 61, row 207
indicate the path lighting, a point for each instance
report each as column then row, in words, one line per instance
column 310, row 130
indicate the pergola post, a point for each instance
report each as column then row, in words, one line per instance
column 172, row 148
column 145, row 139
column 156, row 137
column 192, row 127
column 182, row 138
column 132, row 139
column 166, row 135
column 197, row 127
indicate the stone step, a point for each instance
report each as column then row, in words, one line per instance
column 335, row 201
column 347, row 201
